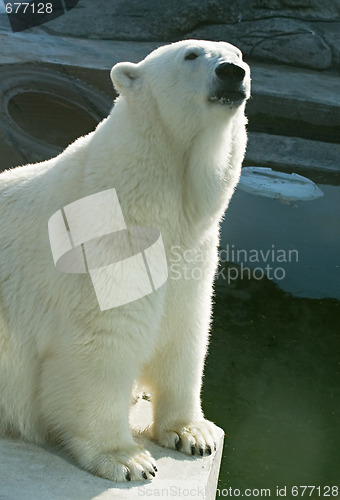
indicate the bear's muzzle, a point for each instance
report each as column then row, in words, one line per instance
column 230, row 87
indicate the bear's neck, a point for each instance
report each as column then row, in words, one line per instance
column 211, row 174
column 133, row 142
column 196, row 177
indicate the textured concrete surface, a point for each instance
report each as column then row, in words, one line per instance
column 292, row 153
column 283, row 31
column 37, row 46
column 276, row 39
column 36, row 473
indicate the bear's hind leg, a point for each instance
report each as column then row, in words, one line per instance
column 85, row 397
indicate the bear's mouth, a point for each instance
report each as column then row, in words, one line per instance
column 229, row 97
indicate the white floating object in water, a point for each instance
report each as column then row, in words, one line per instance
column 267, row 182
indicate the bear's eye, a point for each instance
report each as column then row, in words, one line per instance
column 190, row 55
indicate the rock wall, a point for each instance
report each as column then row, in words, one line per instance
column 304, row 33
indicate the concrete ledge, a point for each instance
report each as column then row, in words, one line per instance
column 43, row 473
column 289, row 153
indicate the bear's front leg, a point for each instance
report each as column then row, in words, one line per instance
column 175, row 373
column 85, row 395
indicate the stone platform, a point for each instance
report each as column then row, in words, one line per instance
column 36, row 473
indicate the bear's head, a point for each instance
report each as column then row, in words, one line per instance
column 186, row 85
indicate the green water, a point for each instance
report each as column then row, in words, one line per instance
column 272, row 383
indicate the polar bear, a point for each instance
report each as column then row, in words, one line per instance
column 172, row 147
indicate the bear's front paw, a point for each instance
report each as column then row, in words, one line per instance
column 133, row 464
column 198, row 438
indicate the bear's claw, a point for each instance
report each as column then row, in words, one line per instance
column 196, row 439
column 132, row 464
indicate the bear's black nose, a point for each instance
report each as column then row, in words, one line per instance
column 230, row 72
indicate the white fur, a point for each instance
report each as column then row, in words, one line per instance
column 66, row 368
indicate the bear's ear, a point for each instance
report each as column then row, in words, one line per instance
column 126, row 76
